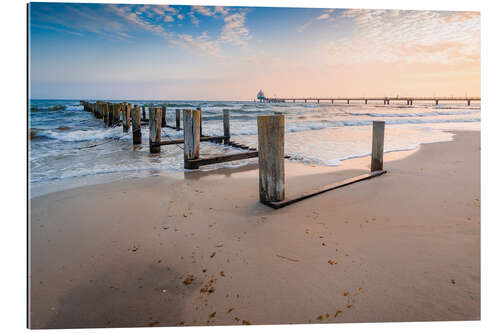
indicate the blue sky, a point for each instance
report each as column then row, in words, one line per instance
column 206, row 52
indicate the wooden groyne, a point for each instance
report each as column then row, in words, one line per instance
column 408, row 99
column 271, row 145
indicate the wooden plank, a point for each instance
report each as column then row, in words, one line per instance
column 179, row 141
column 271, row 133
column 323, row 189
column 136, row 125
column 226, row 119
column 377, row 146
column 154, row 130
column 195, row 163
column 191, row 136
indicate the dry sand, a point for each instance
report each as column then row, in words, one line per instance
column 200, row 250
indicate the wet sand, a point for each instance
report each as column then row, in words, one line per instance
column 200, row 250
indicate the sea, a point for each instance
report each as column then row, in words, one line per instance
column 70, row 147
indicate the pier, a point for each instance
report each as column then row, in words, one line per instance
column 387, row 100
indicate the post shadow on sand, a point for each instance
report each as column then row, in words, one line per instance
column 198, row 174
column 142, row 301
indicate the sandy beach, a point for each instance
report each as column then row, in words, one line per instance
column 199, row 249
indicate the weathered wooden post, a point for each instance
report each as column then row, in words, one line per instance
column 136, row 125
column 468, row 102
column 126, row 117
column 378, row 146
column 154, row 130
column 111, row 114
column 99, row 110
column 144, row 112
column 226, row 118
column 177, row 119
column 191, row 121
column 201, row 121
column 163, row 116
column 105, row 114
column 116, row 114
column 271, row 158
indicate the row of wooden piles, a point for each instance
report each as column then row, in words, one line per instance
column 271, row 139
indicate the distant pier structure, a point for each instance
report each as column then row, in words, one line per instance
column 408, row 99
column 261, row 97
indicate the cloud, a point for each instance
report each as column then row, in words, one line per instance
column 201, row 44
column 210, row 11
column 203, row 10
column 234, row 30
column 221, row 10
column 326, row 15
column 194, row 19
column 121, row 22
column 406, row 36
column 57, row 29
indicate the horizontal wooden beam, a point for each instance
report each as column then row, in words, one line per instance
column 323, row 189
column 203, row 138
column 196, row 163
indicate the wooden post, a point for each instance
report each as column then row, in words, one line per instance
column 271, row 158
column 99, row 110
column 126, row 117
column 191, row 135
column 378, row 146
column 116, row 114
column 177, row 119
column 201, row 121
column 163, row 116
column 111, row 114
column 105, row 114
column 154, row 130
column 226, row 118
column 144, row 112
column 136, row 125
column 468, row 102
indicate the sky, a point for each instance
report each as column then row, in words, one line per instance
column 111, row 51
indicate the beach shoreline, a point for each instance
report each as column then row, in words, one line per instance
column 198, row 248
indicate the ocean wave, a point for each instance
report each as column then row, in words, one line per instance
column 410, row 115
column 82, row 135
